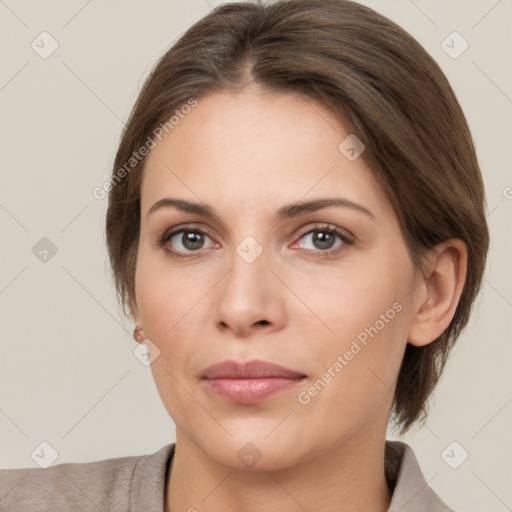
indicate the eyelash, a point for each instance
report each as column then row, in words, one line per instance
column 324, row 228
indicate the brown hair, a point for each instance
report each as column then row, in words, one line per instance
column 366, row 69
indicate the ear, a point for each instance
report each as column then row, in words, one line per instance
column 444, row 284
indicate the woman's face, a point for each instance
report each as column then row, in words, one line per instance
column 328, row 292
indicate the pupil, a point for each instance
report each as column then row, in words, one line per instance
column 192, row 240
column 323, row 240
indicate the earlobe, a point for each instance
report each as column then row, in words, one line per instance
column 444, row 286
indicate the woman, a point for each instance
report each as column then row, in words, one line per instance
column 296, row 226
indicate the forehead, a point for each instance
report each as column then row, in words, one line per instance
column 254, row 146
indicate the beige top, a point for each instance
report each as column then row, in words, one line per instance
column 137, row 484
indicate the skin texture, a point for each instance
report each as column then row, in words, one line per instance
column 247, row 155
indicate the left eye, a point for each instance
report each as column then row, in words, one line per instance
column 323, row 239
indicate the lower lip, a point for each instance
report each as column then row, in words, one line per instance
column 249, row 391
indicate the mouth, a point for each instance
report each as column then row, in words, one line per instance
column 249, row 383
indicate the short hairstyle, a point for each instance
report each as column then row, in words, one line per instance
column 373, row 75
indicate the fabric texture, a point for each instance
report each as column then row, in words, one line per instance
column 138, row 483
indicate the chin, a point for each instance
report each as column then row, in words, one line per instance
column 250, row 452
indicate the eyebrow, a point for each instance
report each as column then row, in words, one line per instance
column 285, row 212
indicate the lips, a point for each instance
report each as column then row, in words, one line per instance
column 249, row 383
column 255, row 369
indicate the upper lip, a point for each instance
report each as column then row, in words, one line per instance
column 249, row 370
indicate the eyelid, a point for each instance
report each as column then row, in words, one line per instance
column 188, row 226
column 344, row 233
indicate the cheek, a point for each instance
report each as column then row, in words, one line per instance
column 358, row 298
column 355, row 372
column 174, row 309
column 368, row 314
column 163, row 313
column 164, row 294
column 171, row 312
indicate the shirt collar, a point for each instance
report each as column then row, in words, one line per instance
column 147, row 493
column 410, row 490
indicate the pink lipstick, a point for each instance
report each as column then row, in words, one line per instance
column 251, row 382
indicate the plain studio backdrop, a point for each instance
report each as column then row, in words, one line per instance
column 70, row 73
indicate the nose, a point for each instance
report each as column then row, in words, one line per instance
column 250, row 298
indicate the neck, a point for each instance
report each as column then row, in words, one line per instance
column 346, row 478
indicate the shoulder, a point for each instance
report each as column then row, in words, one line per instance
column 411, row 491
column 109, row 484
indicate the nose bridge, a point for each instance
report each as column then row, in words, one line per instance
column 248, row 277
column 250, row 250
column 249, row 292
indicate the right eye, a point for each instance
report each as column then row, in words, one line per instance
column 184, row 242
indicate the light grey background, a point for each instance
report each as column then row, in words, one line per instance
column 68, row 375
